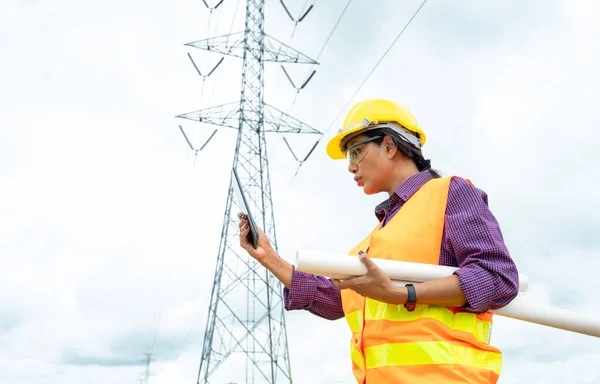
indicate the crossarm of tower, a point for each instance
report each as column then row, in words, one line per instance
column 225, row 115
column 278, row 121
column 233, row 45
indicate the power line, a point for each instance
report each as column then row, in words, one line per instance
column 360, row 87
column 311, row 72
column 318, row 56
column 375, row 67
column 333, row 30
column 303, row 14
column 145, row 378
column 163, row 286
column 235, row 12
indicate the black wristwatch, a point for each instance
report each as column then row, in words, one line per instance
column 411, row 301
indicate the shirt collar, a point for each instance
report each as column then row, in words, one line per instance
column 403, row 193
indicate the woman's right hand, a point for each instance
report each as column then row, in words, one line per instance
column 263, row 247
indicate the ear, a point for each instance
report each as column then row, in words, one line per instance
column 390, row 147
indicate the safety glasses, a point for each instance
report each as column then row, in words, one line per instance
column 355, row 152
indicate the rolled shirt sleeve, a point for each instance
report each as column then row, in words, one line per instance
column 316, row 294
column 488, row 276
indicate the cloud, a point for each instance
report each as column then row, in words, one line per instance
column 76, row 359
column 124, row 350
column 112, row 225
column 9, row 319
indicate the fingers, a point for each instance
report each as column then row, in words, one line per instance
column 243, row 221
column 243, row 239
column 244, row 229
column 244, row 226
column 366, row 260
column 348, row 283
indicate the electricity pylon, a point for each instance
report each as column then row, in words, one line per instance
column 245, row 338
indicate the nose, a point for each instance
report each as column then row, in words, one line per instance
column 352, row 168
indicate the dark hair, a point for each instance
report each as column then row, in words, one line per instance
column 405, row 147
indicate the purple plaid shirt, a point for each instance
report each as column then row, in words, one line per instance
column 472, row 241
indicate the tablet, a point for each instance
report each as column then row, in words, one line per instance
column 244, row 208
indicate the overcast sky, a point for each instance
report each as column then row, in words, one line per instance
column 110, row 224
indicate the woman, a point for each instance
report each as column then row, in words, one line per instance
column 433, row 332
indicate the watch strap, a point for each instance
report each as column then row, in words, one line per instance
column 411, row 300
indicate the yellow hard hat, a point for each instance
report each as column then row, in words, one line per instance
column 368, row 115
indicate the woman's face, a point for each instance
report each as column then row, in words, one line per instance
column 371, row 164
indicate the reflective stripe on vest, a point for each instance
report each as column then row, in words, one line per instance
column 461, row 321
column 427, row 352
column 357, row 357
column 432, row 343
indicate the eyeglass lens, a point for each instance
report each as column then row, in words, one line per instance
column 353, row 154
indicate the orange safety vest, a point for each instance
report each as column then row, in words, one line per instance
column 432, row 344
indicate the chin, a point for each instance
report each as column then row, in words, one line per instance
column 370, row 188
column 369, row 191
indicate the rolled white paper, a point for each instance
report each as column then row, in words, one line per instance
column 344, row 266
column 337, row 266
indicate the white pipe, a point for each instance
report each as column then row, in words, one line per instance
column 343, row 267
column 525, row 309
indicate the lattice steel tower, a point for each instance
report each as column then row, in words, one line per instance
column 245, row 338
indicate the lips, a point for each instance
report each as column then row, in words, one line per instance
column 358, row 180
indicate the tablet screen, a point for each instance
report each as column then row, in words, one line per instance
column 244, row 208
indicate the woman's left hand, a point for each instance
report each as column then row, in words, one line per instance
column 374, row 284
